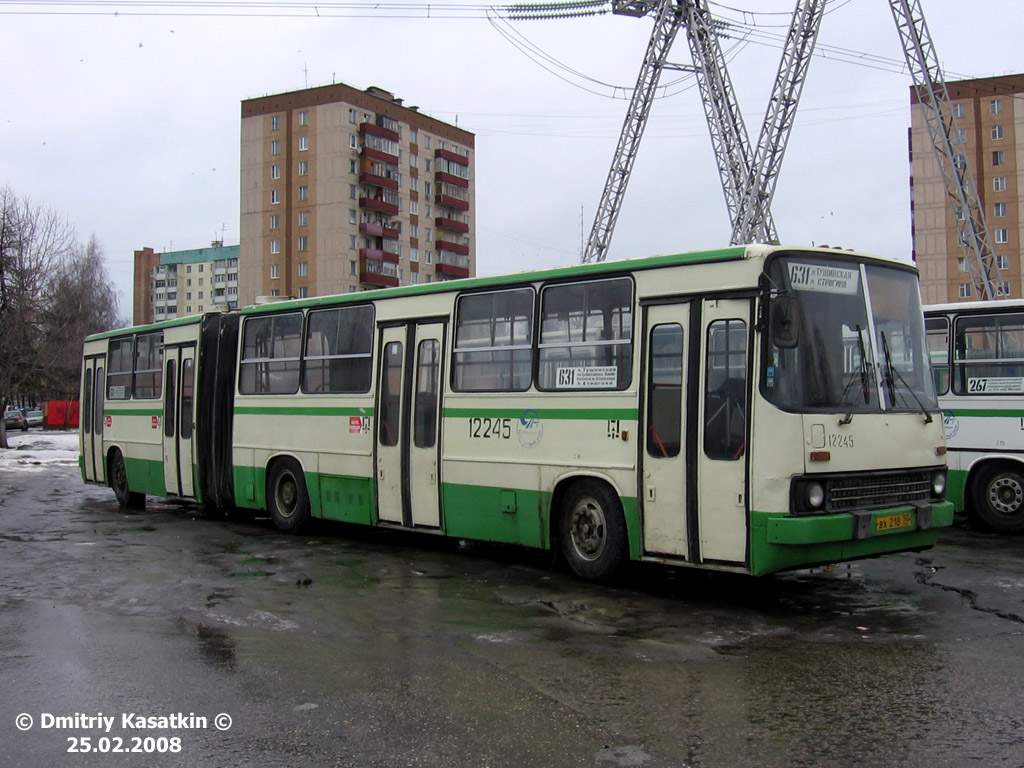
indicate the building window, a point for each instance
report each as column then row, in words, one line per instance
column 275, row 196
column 960, row 136
column 303, row 268
column 999, row 184
column 303, row 243
column 352, row 216
column 958, row 110
column 275, row 221
column 1002, row 235
column 353, row 191
column 351, row 166
column 275, row 122
column 1002, row 288
column 997, row 132
column 414, row 255
column 964, row 290
column 275, row 272
column 303, row 167
column 303, row 143
column 275, row 171
column 303, row 218
column 353, row 267
column 352, row 242
column 352, row 116
column 353, row 141
column 414, row 230
column 1002, row 262
column 303, row 193
column 303, row 292
column 275, row 247
column 414, row 206
column 303, row 117
column 996, row 106
column 1000, row 210
column 275, row 147
column 998, row 158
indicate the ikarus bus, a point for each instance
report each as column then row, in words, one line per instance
column 751, row 409
column 977, row 352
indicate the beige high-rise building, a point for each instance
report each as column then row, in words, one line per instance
column 990, row 134
column 344, row 190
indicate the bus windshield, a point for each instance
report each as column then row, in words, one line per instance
column 854, row 339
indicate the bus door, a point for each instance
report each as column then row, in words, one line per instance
column 91, row 420
column 408, row 424
column 179, row 418
column 666, row 479
column 724, row 406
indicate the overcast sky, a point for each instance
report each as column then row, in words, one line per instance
column 129, row 124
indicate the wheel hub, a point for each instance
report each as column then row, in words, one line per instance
column 587, row 528
column 1006, row 495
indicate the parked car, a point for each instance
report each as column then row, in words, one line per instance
column 15, row 419
column 34, row 417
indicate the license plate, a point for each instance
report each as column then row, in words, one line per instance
column 893, row 522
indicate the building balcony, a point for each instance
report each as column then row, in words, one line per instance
column 378, row 181
column 451, row 271
column 380, row 206
column 379, row 130
column 452, row 157
column 442, row 222
column 377, row 254
column 376, row 271
column 377, row 230
column 446, row 178
column 452, row 202
column 445, row 245
column 376, row 154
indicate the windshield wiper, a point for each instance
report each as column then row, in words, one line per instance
column 893, row 375
column 863, row 374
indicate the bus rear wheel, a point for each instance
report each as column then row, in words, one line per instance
column 592, row 530
column 126, row 498
column 287, row 496
column 999, row 498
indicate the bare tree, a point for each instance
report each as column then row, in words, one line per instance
column 53, row 291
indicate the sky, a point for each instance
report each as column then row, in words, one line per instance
column 125, row 117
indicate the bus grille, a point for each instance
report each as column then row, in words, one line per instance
column 871, row 491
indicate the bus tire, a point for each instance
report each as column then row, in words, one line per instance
column 592, row 530
column 126, row 498
column 999, row 497
column 287, row 497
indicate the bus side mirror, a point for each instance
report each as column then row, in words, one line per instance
column 785, row 322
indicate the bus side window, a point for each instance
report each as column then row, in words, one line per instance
column 725, row 387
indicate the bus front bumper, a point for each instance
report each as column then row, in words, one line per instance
column 781, row 541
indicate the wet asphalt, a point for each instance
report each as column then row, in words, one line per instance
column 365, row 648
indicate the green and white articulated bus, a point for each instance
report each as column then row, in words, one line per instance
column 977, row 350
column 751, row 409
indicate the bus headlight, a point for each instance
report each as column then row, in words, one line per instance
column 814, row 495
column 939, row 484
column 808, row 495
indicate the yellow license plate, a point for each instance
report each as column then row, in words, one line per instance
column 893, row 522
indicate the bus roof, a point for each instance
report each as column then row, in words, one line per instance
column 996, row 305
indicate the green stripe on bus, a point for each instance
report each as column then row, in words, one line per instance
column 589, row 414
column 285, row 410
column 986, row 413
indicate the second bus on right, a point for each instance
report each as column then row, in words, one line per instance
column 977, row 353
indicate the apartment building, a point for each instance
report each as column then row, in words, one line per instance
column 989, row 133
column 179, row 283
column 344, row 190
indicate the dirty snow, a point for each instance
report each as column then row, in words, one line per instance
column 39, row 450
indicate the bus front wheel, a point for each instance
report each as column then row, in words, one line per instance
column 592, row 530
column 287, row 496
column 126, row 498
column 999, row 497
